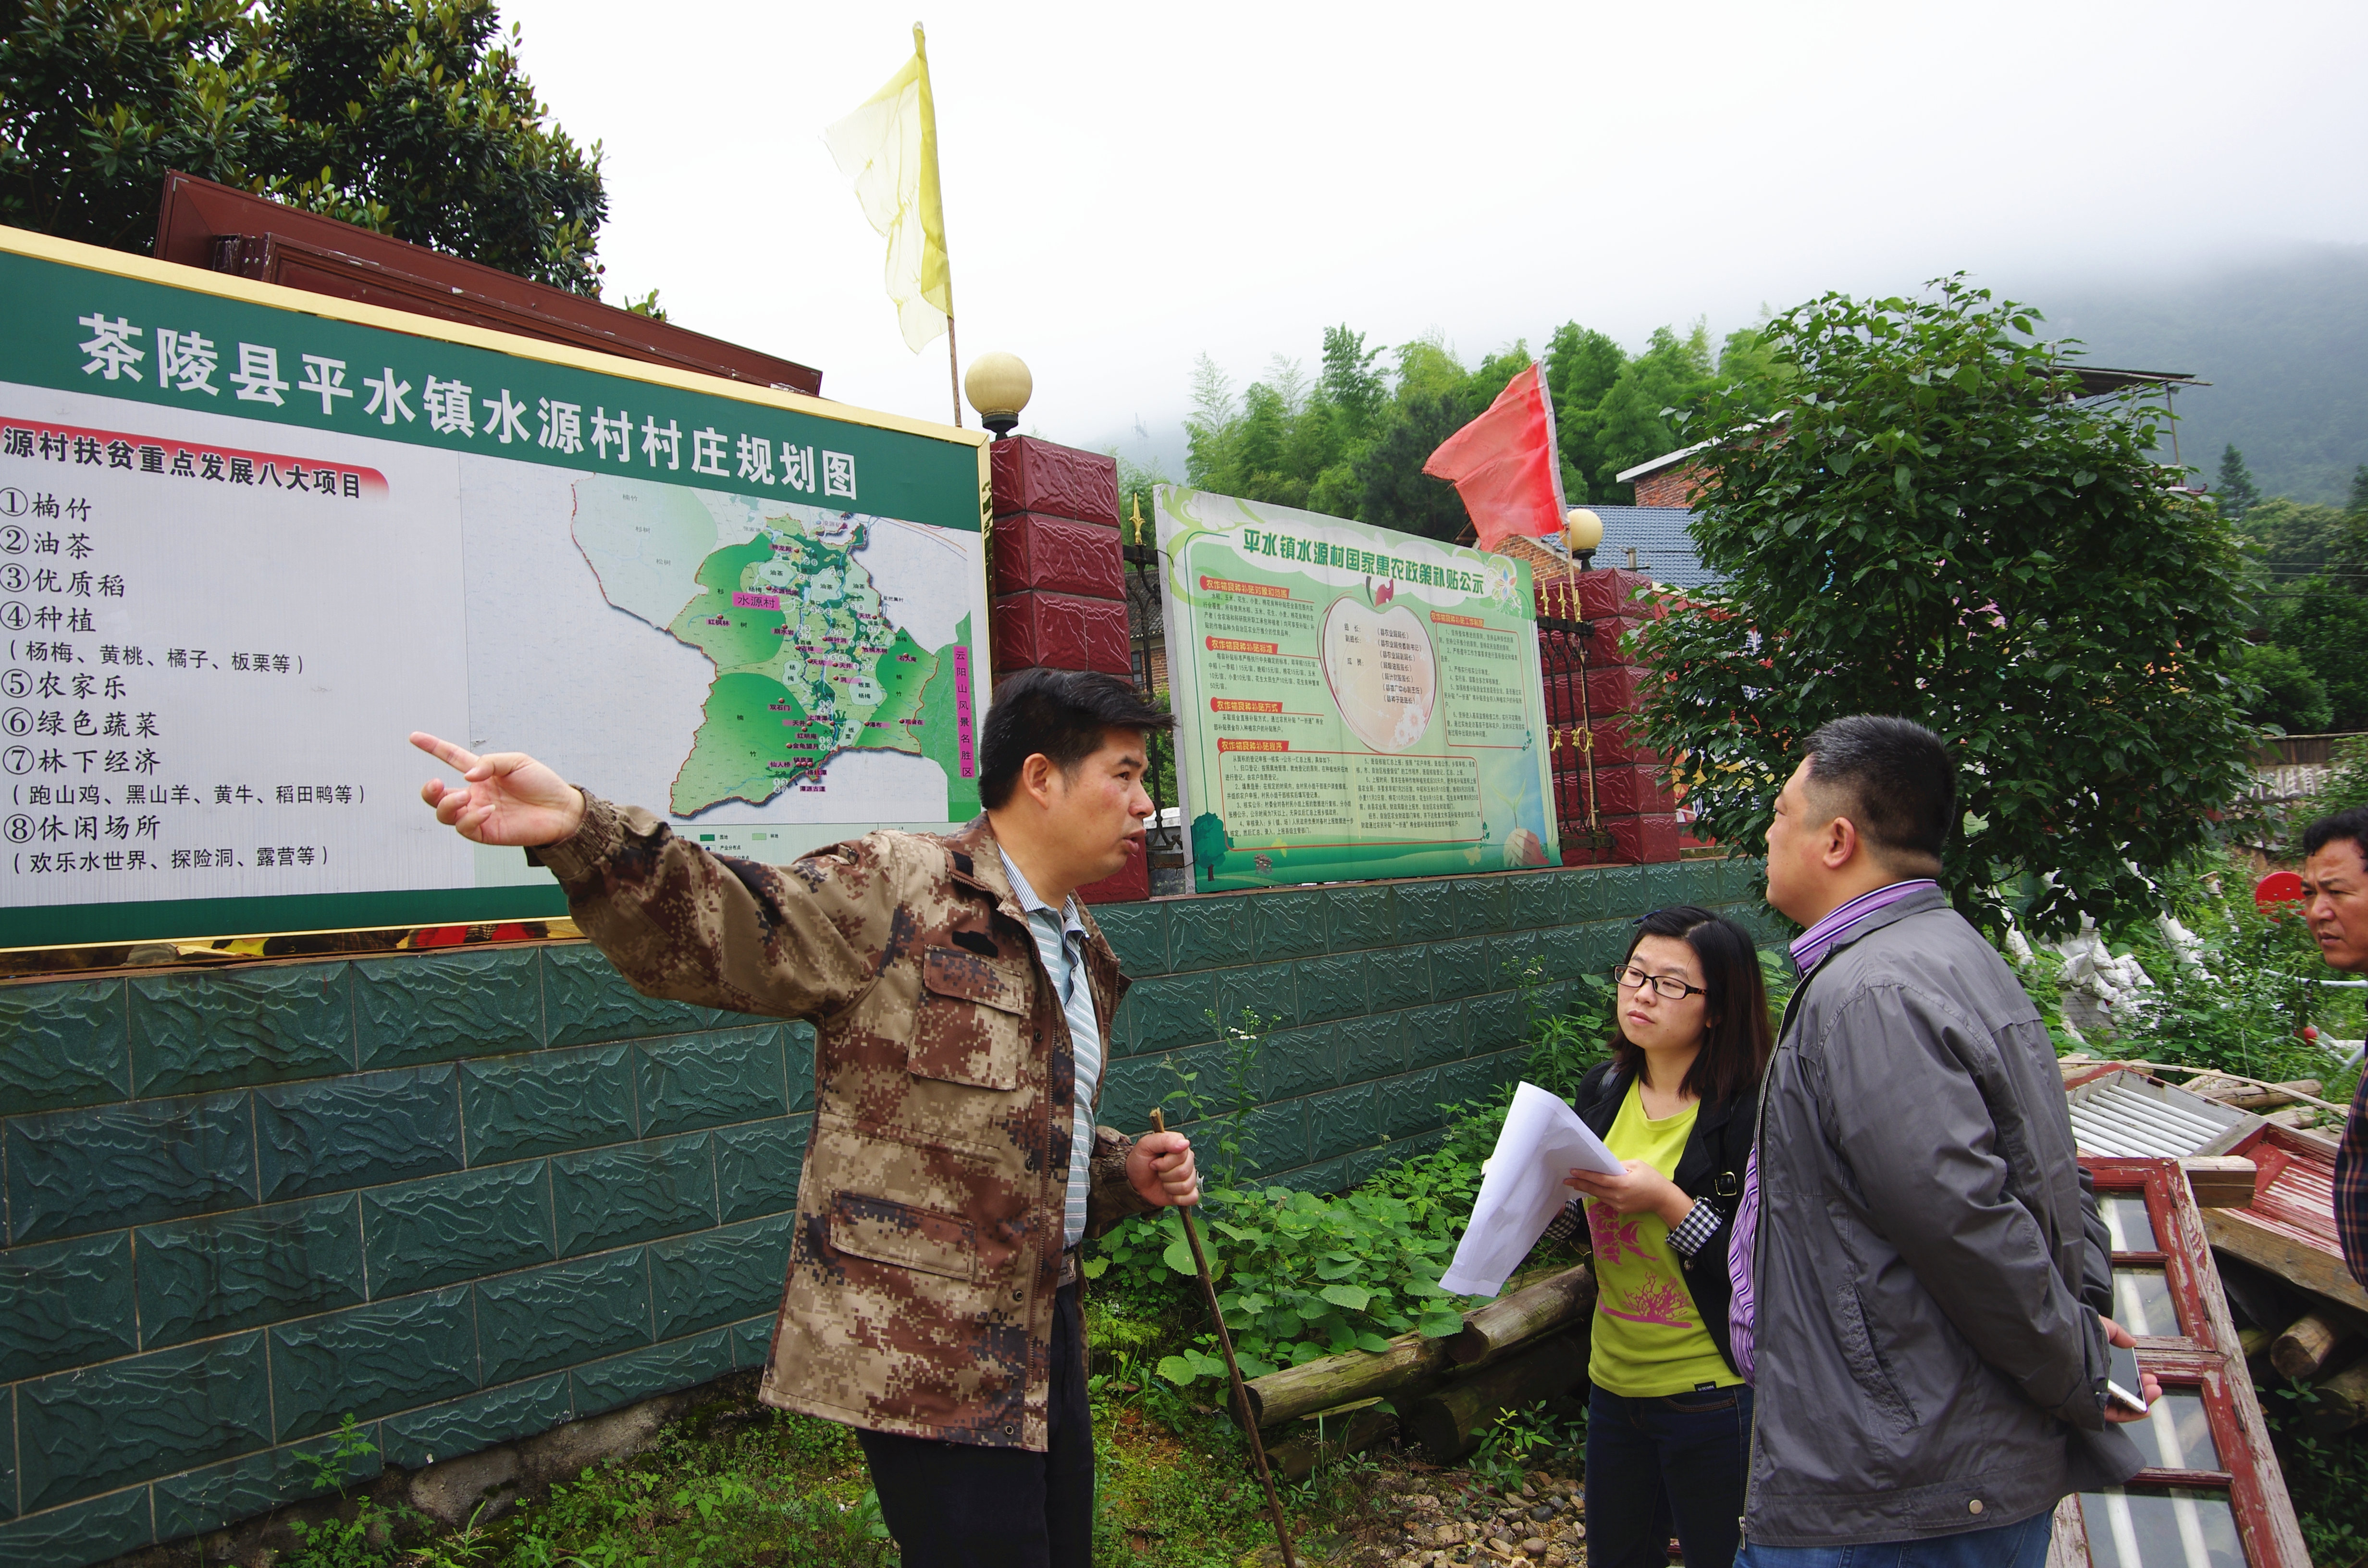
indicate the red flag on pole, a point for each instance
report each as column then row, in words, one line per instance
column 1505, row 464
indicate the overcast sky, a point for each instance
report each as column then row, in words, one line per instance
column 1129, row 186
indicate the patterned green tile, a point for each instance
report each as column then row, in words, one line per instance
column 1397, row 977
column 8, row 1453
column 1328, row 988
column 257, row 1025
column 370, row 1360
column 1340, row 1121
column 798, row 1049
column 1482, row 904
column 85, row 1432
column 67, row 1046
column 1297, row 1062
column 1274, row 1137
column 1624, row 891
column 1434, row 1034
column 1328, row 1178
column 1265, row 990
column 462, row 1226
column 1362, row 1165
column 1666, row 886
column 1477, row 1077
column 562, row 1314
column 1138, row 934
column 1602, row 944
column 661, row 1369
column 451, row 1003
column 709, row 1080
column 1592, row 897
column 88, row 1532
column 1493, row 1022
column 719, row 1277
column 1288, row 924
column 1137, row 1083
column 1407, row 1105
column 547, row 1101
column 201, row 1500
column 199, row 1277
column 606, row 1197
column 1538, row 898
column 588, row 999
column 356, row 1131
column 65, row 1304
column 1209, row 933
column 1361, row 917
column 757, row 1166
column 1459, row 969
column 752, row 1342
column 476, row 1422
column 1514, row 957
column 1168, row 1012
column 1426, row 910
column 207, row 1499
column 76, row 1171
column 1372, row 1047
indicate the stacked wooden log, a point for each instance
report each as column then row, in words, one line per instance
column 1443, row 1393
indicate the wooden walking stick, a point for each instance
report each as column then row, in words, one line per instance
column 1233, row 1369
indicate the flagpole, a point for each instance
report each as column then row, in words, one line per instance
column 953, row 369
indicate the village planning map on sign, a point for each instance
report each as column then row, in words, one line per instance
column 809, row 661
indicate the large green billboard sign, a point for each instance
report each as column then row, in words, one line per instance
column 250, row 537
column 1351, row 702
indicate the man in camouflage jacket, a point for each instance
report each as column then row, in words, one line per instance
column 930, row 1294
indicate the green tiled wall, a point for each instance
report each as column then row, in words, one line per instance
column 467, row 1196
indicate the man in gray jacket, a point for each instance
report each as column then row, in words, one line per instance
column 1916, row 1265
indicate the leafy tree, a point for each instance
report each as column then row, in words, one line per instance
column 2292, row 538
column 1934, row 531
column 1351, row 383
column 2358, row 501
column 409, row 117
column 2324, row 623
column 2285, row 692
column 2238, row 494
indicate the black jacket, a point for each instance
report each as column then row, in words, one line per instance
column 1711, row 1167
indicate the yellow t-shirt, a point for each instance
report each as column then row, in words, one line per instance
column 1646, row 1340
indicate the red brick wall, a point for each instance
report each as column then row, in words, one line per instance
column 1059, row 598
column 1675, row 486
column 1633, row 814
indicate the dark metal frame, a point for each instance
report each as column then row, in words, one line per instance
column 1563, row 641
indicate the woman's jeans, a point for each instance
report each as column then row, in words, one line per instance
column 1655, row 1466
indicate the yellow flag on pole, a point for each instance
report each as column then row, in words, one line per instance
column 889, row 148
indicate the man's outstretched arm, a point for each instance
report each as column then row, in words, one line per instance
column 675, row 920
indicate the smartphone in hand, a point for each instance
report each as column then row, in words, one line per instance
column 2123, row 1381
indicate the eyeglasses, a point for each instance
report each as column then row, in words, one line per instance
column 1628, row 977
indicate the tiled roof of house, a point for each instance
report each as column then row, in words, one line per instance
column 1665, row 550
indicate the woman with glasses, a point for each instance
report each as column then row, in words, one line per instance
column 1668, row 1421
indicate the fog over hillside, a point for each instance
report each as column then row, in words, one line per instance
column 2283, row 338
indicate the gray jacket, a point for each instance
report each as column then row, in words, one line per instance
column 1926, row 1363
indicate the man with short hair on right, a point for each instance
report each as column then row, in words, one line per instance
column 2335, row 902
column 1918, row 1271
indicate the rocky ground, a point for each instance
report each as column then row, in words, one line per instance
column 1449, row 1518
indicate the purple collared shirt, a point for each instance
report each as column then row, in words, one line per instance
column 1809, row 950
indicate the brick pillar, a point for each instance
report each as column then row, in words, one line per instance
column 1631, row 803
column 1059, row 589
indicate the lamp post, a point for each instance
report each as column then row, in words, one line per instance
column 1582, row 532
column 998, row 386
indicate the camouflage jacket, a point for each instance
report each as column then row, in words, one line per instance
column 927, row 1246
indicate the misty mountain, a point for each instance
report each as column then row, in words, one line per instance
column 2281, row 337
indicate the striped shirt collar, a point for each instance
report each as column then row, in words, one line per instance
column 1029, row 903
column 1810, row 947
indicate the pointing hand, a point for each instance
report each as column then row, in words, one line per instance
column 506, row 797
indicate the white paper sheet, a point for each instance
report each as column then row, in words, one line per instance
column 1543, row 1140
